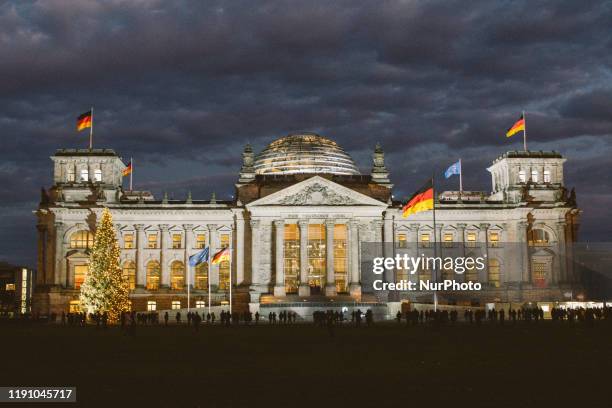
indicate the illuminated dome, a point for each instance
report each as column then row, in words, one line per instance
column 304, row 153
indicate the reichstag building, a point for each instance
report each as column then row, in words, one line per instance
column 300, row 222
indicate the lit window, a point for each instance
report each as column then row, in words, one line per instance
column 340, row 258
column 534, row 176
column 71, row 176
column 200, row 241
column 10, row 286
column 74, row 306
column 494, row 239
column 425, row 240
column 80, row 271
column 200, row 304
column 494, row 273
column 402, row 242
column 537, row 237
column 522, row 177
column 448, row 239
column 84, row 175
column 401, row 274
column 151, row 305
column 177, row 275
column 153, row 274
column 292, row 258
column 98, row 175
column 225, row 240
column 471, row 239
column 540, row 272
column 201, row 276
column 81, row 240
column 316, row 251
column 129, row 274
column 128, row 241
column 176, row 304
column 547, row 176
column 177, row 240
column 152, row 241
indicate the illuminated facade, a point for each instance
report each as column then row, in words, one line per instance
column 302, row 218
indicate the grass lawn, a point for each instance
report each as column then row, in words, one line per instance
column 528, row 365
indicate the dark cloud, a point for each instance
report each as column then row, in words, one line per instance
column 182, row 86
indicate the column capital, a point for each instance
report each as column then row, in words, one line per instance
column 188, row 227
column 461, row 225
column 302, row 223
column 211, row 227
column 139, row 227
column 164, row 227
column 484, row 225
column 330, row 223
column 414, row 226
column 254, row 223
column 279, row 223
column 523, row 224
column 58, row 224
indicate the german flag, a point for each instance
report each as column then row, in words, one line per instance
column 422, row 200
column 222, row 255
column 517, row 127
column 128, row 170
column 84, row 121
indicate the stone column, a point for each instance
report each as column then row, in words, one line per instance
column 461, row 239
column 189, row 270
column 330, row 281
column 141, row 270
column 484, row 238
column 355, row 285
column 524, row 249
column 59, row 275
column 213, row 270
column 304, row 288
column 388, row 247
column 279, row 287
column 239, row 250
column 163, row 246
column 41, row 254
column 561, row 275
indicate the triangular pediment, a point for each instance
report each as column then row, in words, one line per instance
column 316, row 191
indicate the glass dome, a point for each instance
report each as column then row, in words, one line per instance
column 304, row 153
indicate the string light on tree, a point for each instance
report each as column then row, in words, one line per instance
column 105, row 289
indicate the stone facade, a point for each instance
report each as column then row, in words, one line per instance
column 270, row 224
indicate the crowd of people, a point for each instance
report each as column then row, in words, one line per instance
column 332, row 317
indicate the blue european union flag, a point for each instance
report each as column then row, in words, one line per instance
column 198, row 258
column 454, row 168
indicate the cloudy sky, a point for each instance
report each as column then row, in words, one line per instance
column 182, row 86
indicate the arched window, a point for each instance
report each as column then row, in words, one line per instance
column 538, row 237
column 522, row 177
column 177, row 275
column 471, row 274
column 494, row 273
column 534, row 176
column 129, row 274
column 98, row 175
column 153, row 274
column 201, row 276
column 81, row 239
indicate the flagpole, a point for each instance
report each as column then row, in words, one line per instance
column 188, row 287
column 91, row 130
column 460, row 178
column 209, row 262
column 435, row 294
column 230, row 283
column 131, row 172
column 524, row 131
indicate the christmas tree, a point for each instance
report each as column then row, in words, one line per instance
column 105, row 289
